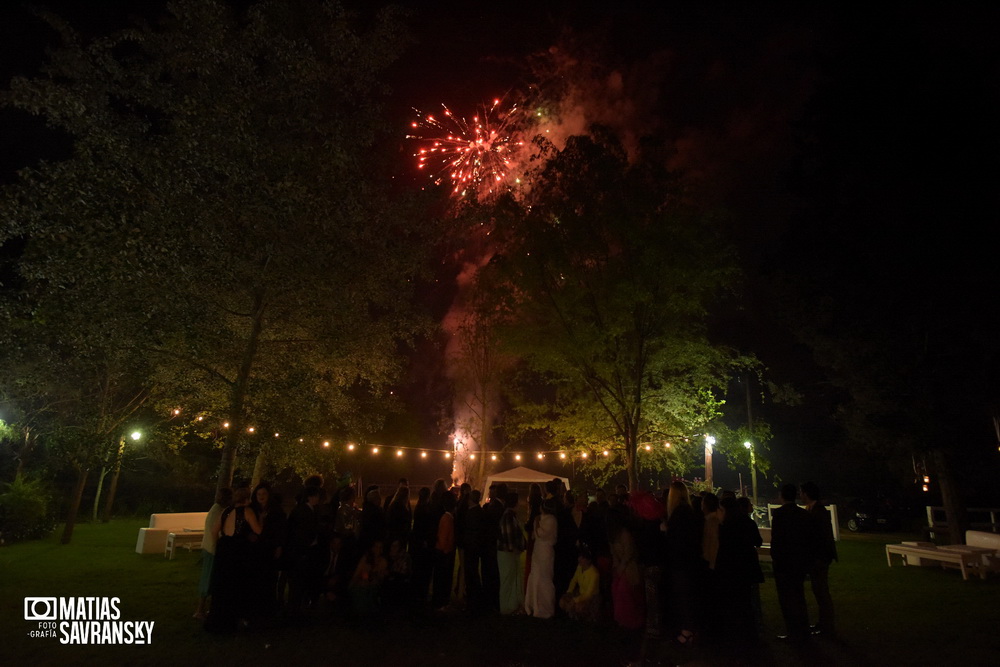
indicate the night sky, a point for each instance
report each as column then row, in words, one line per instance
column 853, row 150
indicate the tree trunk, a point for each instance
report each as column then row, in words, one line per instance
column 259, row 466
column 74, row 504
column 484, row 446
column 26, row 448
column 631, row 464
column 954, row 506
column 114, row 481
column 97, row 494
column 237, row 403
column 106, row 515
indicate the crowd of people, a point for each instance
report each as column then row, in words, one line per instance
column 676, row 565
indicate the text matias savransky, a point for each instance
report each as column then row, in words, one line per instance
column 84, row 620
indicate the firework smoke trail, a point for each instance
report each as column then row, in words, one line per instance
column 476, row 156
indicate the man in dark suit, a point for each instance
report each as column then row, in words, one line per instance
column 792, row 551
column 472, row 543
column 825, row 552
column 490, row 534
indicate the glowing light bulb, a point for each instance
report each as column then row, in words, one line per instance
column 277, row 435
column 584, row 455
column 225, row 424
column 472, row 457
column 648, row 448
column 517, row 457
column 447, row 455
column 374, row 450
column 562, row 455
column 350, row 447
column 326, row 443
column 250, row 429
column 541, row 456
column 423, row 455
column 177, row 411
column 399, row 452
column 493, row 457
column 605, row 452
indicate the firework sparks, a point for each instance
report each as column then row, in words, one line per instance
column 472, row 156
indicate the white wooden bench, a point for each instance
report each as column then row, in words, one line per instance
column 189, row 539
column 981, row 519
column 764, row 550
column 153, row 539
column 990, row 544
column 926, row 554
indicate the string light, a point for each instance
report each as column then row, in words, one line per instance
column 472, row 457
column 225, row 424
column 399, row 452
column 517, row 457
column 423, row 455
column 374, row 450
column 605, row 452
column 350, row 447
column 326, row 444
column 177, row 411
column 562, row 455
column 277, row 435
column 250, row 429
column 648, row 448
column 540, row 456
column 447, row 455
column 584, row 455
column 493, row 457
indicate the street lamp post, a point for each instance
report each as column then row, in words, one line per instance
column 709, row 442
column 753, row 470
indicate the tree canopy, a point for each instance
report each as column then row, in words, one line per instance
column 221, row 211
column 609, row 277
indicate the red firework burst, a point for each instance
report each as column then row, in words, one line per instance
column 473, row 156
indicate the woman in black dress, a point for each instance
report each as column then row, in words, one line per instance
column 232, row 574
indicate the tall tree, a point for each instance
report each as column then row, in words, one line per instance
column 219, row 204
column 611, row 280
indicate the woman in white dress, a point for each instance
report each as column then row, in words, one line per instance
column 540, row 597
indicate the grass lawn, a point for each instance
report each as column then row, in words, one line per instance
column 897, row 616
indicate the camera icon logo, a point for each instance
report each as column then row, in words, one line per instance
column 40, row 609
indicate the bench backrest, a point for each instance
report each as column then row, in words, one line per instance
column 178, row 520
column 979, row 538
column 986, row 518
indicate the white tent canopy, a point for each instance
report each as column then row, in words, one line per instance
column 521, row 475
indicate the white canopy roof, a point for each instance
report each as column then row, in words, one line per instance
column 522, row 475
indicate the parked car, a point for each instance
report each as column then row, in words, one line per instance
column 880, row 514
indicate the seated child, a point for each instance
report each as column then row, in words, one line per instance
column 582, row 600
